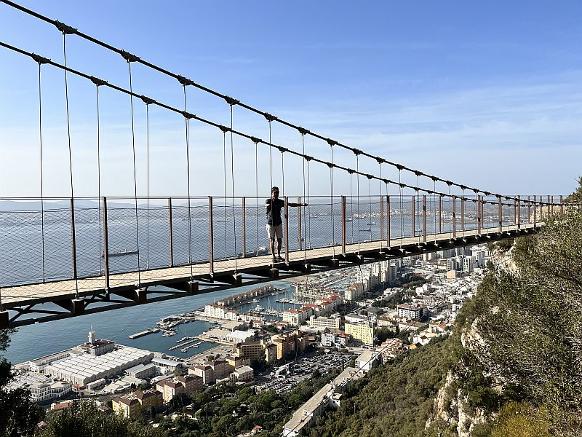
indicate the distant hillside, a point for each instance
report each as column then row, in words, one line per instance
column 512, row 367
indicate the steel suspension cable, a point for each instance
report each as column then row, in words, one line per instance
column 188, row 172
column 134, row 161
column 331, row 197
column 451, row 210
column 302, row 242
column 232, row 193
column 417, row 210
column 358, row 194
column 282, row 173
column 225, row 206
column 102, row 255
column 434, row 208
column 463, row 212
column 41, row 162
column 382, row 208
column 370, row 207
column 256, row 197
column 72, row 186
column 352, row 204
column 308, row 204
column 148, row 185
column 283, row 191
column 400, row 207
column 271, row 152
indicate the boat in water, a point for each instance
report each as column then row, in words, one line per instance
column 124, row 252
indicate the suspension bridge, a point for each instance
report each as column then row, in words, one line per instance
column 72, row 255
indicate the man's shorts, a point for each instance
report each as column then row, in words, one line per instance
column 275, row 232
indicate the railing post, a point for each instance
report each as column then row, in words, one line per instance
column 171, row 231
column 463, row 215
column 105, row 253
column 440, row 213
column 535, row 211
column 413, row 216
column 479, row 214
column 74, row 241
column 424, row 218
column 528, row 210
column 500, row 213
column 210, row 236
column 244, row 219
column 561, row 204
column 299, row 230
column 388, row 224
column 344, row 225
column 455, row 216
column 552, row 205
column 287, row 230
column 518, row 211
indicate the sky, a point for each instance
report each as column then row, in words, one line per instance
column 488, row 94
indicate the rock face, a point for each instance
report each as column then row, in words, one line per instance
column 452, row 410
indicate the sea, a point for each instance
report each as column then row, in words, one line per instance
column 33, row 341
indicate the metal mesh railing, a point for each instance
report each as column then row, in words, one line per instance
column 36, row 243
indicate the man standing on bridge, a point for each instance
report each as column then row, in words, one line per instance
column 275, row 223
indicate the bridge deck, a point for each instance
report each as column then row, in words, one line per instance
column 17, row 296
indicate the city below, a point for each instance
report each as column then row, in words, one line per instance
column 339, row 324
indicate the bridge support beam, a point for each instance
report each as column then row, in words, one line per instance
column 187, row 286
column 4, row 319
column 74, row 306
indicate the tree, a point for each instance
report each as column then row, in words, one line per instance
column 84, row 419
column 576, row 196
column 18, row 414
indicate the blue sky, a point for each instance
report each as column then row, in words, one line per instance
column 486, row 93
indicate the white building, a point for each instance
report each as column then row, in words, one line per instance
column 321, row 323
column 220, row 312
column 238, row 336
column 143, row 371
column 409, row 311
column 367, row 360
column 165, row 365
column 242, row 374
column 84, row 368
column 42, row 388
column 468, row 264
